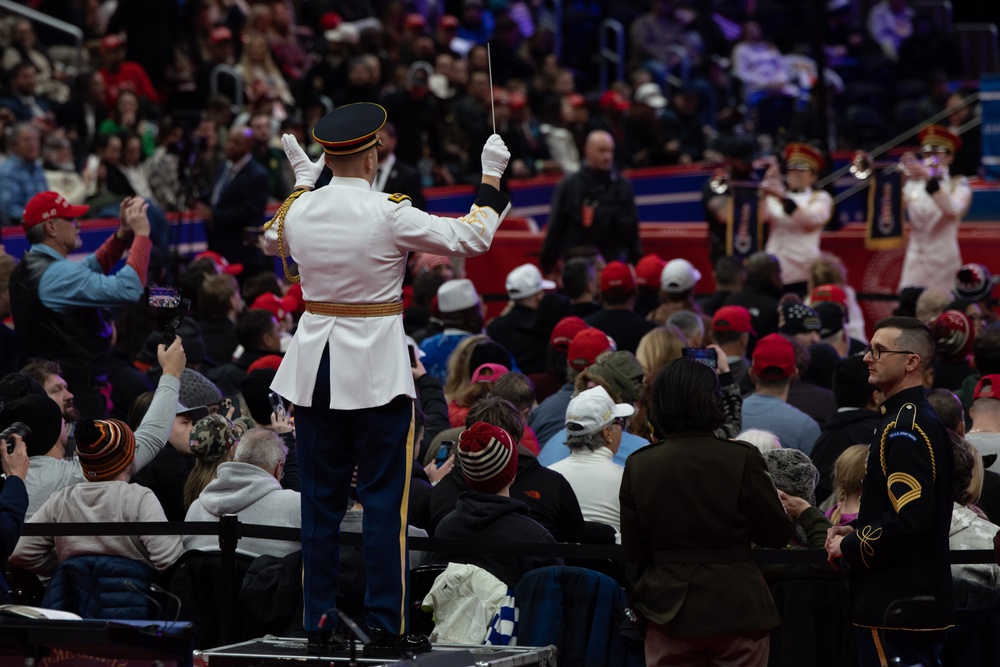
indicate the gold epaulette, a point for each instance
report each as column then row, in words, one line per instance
column 279, row 219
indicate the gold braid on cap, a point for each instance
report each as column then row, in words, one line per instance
column 279, row 218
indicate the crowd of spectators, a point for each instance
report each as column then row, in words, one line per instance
column 695, row 72
column 565, row 383
column 561, row 386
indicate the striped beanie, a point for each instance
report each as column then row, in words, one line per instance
column 106, row 447
column 488, row 456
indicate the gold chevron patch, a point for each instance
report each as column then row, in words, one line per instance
column 910, row 483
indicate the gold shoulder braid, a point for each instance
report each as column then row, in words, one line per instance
column 906, row 421
column 279, row 218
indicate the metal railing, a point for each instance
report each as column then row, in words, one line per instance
column 234, row 74
column 38, row 17
column 614, row 56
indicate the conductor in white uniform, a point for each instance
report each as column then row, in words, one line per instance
column 347, row 370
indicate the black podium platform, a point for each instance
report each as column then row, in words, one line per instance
column 284, row 652
column 140, row 641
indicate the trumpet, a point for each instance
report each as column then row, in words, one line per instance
column 721, row 183
column 862, row 165
column 931, row 162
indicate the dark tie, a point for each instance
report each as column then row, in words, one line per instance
column 224, row 178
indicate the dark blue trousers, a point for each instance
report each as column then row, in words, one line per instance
column 330, row 443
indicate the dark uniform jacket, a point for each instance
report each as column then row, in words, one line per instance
column 690, row 508
column 899, row 549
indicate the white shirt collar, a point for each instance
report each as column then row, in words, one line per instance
column 351, row 182
column 384, row 168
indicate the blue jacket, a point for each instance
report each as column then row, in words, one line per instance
column 581, row 612
column 13, row 506
column 100, row 587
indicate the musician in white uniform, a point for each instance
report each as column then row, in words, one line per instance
column 797, row 214
column 347, row 370
column 935, row 203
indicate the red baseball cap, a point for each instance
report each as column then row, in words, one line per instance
column 267, row 362
column 278, row 306
column 586, row 346
column 488, row 373
column 111, row 42
column 220, row 34
column 829, row 292
column 448, row 21
column 564, row 331
column 330, row 21
column 987, row 387
column 612, row 99
column 222, row 264
column 617, row 277
column 648, row 270
column 576, row 100
column 415, row 21
column 732, row 318
column 294, row 298
column 773, row 358
column 425, row 261
column 48, row 205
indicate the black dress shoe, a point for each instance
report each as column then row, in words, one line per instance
column 387, row 645
column 324, row 642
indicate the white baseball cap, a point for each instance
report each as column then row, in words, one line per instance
column 679, row 275
column 650, row 94
column 593, row 409
column 456, row 295
column 526, row 280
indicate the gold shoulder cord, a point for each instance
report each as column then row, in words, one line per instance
column 279, row 218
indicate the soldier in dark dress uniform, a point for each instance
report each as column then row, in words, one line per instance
column 901, row 592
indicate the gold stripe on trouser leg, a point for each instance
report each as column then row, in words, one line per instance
column 404, row 509
column 878, row 647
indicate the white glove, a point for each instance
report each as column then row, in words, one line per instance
column 495, row 156
column 306, row 172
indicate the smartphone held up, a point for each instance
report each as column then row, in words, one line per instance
column 705, row 355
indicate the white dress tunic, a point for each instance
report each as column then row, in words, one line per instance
column 350, row 244
column 932, row 254
column 794, row 239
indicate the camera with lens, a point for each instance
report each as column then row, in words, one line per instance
column 17, row 428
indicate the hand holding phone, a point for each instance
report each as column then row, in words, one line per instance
column 169, row 299
column 705, row 355
column 277, row 406
column 444, row 451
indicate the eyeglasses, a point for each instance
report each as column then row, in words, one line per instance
column 620, row 422
column 877, row 352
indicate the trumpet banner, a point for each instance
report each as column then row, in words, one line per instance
column 884, row 217
column 744, row 226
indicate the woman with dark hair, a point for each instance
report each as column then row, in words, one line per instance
column 699, row 590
